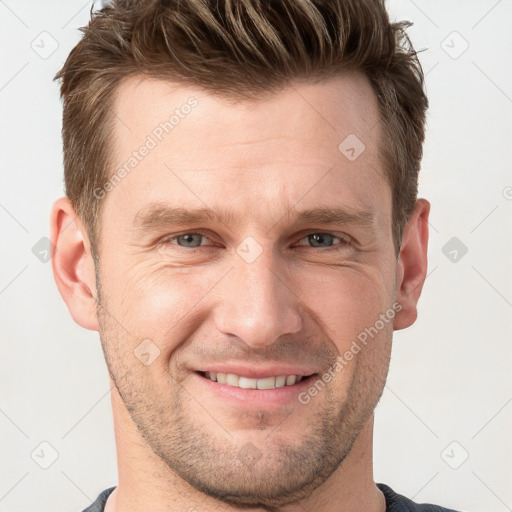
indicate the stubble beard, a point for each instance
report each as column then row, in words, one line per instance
column 285, row 472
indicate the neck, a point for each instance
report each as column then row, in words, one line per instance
column 146, row 483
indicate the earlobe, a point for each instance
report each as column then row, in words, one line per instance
column 412, row 265
column 73, row 265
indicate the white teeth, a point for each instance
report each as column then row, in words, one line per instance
column 232, row 379
column 267, row 383
column 280, row 381
column 290, row 380
column 247, row 383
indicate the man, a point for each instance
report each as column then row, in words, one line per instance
column 241, row 226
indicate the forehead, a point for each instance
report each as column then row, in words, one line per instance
column 310, row 142
column 342, row 105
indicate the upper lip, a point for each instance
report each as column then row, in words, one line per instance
column 258, row 372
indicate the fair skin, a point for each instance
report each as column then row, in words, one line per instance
column 186, row 442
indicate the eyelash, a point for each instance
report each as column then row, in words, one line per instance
column 345, row 240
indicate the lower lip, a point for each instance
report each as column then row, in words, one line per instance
column 266, row 398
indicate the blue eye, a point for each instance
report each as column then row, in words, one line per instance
column 193, row 240
column 190, row 239
column 321, row 238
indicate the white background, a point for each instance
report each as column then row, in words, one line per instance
column 450, row 373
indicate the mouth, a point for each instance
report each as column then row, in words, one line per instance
column 251, row 383
column 274, row 387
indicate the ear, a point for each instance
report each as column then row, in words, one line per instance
column 73, row 265
column 412, row 265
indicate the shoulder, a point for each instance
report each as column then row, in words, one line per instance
column 99, row 504
column 394, row 502
column 398, row 503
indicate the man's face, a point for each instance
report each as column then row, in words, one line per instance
column 262, row 292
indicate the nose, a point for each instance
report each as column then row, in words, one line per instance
column 257, row 304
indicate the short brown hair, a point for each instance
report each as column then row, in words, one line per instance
column 240, row 49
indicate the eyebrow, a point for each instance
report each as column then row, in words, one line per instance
column 158, row 215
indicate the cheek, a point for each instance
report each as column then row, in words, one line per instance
column 346, row 300
column 161, row 304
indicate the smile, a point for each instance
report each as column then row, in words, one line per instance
column 239, row 381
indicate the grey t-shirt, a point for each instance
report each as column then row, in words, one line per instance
column 394, row 502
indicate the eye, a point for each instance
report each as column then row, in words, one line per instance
column 185, row 240
column 319, row 240
column 194, row 240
